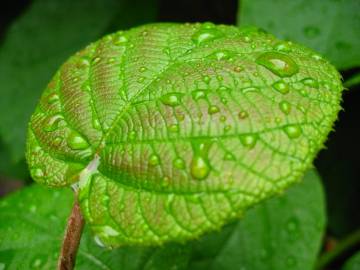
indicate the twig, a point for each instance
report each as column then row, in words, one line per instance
column 72, row 238
column 342, row 246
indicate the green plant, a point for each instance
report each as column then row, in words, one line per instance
column 167, row 131
column 260, row 121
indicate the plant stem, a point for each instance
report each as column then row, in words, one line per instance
column 72, row 238
column 342, row 246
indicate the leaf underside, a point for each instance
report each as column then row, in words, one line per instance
column 172, row 130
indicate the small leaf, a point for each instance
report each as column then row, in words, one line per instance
column 330, row 27
column 353, row 263
column 138, row 85
column 282, row 233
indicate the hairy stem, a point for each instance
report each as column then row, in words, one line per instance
column 342, row 246
column 72, row 238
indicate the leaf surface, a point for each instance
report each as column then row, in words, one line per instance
column 330, row 27
column 171, row 130
column 42, row 38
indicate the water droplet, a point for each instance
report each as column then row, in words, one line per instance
column 316, row 56
column 111, row 60
column 120, row 40
column 143, row 69
column 227, row 128
column 98, row 241
column 174, row 128
column 141, row 79
column 132, row 135
column 154, row 159
column 76, row 142
column 37, row 263
column 310, row 82
column 281, row 87
column 243, row 114
column 96, row 123
column 198, row 94
column 285, row 107
column 213, row 109
column 238, row 69
column 223, row 118
column 206, row 79
column 206, row 33
column 249, row 90
column 171, row 99
column 53, row 98
column 278, row 63
column 179, row 163
column 311, row 31
column 248, row 140
column 37, row 172
column 292, row 131
column 200, row 167
column 96, row 60
column 52, row 122
column 282, row 46
column 57, row 141
column 292, row 225
column 221, row 55
column 229, row 156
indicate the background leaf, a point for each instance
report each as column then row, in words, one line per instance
column 40, row 40
column 353, row 263
column 329, row 27
column 283, row 232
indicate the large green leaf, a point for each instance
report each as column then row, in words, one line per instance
column 171, row 130
column 40, row 40
column 282, row 231
column 32, row 227
column 330, row 27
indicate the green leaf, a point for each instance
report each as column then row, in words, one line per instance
column 40, row 40
column 330, row 27
column 32, row 228
column 353, row 263
column 173, row 130
column 281, row 233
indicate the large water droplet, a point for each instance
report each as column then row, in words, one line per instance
column 52, row 122
column 200, row 167
column 292, row 131
column 278, row 63
column 281, row 87
column 285, row 107
column 248, row 140
column 171, row 99
column 76, row 142
column 154, row 159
